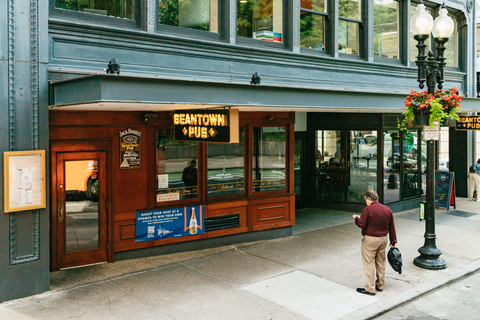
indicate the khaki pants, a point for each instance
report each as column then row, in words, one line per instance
column 474, row 181
column 373, row 257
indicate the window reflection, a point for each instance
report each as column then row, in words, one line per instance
column 348, row 35
column 193, row 14
column 177, row 170
column 269, row 147
column 260, row 19
column 391, row 166
column 117, row 8
column 385, row 29
column 348, row 30
column 363, row 164
column 225, row 167
column 312, row 24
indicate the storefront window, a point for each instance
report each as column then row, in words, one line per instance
column 260, row 19
column 349, row 26
column 391, row 166
column 385, row 29
column 269, row 166
column 177, row 167
column 312, row 24
column 225, row 165
column 117, row 8
column 197, row 14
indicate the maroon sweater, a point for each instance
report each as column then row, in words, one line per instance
column 376, row 221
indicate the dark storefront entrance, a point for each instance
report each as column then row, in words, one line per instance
column 342, row 159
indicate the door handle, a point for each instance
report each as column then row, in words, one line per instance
column 60, row 210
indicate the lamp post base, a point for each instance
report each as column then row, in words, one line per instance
column 430, row 259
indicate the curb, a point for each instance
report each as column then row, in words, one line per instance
column 383, row 306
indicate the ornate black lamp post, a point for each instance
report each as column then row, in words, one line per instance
column 430, row 70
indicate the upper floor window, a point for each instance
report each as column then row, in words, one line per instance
column 113, row 8
column 451, row 53
column 385, row 28
column 313, row 14
column 197, row 14
column 260, row 19
column 349, row 24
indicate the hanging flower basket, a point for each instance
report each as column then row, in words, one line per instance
column 422, row 119
column 427, row 109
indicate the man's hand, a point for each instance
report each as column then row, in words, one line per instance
column 354, row 216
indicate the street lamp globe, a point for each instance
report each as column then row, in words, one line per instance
column 443, row 25
column 421, row 22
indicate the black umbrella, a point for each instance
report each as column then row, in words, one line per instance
column 395, row 259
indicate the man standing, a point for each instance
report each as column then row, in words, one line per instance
column 376, row 221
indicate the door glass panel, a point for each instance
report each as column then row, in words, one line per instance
column 330, row 160
column 410, row 164
column 269, row 166
column 363, row 164
column 81, row 207
column 391, row 166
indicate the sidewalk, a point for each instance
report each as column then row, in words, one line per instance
column 310, row 275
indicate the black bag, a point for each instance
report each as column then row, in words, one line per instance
column 472, row 169
column 395, row 259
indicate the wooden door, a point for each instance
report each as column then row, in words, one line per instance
column 81, row 217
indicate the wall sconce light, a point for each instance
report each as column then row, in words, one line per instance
column 113, row 67
column 255, row 79
column 271, row 117
column 150, row 118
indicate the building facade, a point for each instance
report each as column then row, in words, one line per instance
column 312, row 89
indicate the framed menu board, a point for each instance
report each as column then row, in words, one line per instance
column 24, row 179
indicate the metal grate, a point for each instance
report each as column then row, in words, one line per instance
column 459, row 213
column 222, row 222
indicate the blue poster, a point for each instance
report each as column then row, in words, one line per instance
column 169, row 223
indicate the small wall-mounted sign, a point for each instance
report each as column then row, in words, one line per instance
column 130, row 148
column 468, row 123
column 207, row 125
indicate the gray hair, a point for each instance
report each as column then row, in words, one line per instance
column 371, row 194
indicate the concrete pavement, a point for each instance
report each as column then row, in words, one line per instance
column 310, row 275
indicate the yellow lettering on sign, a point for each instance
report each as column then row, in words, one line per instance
column 221, row 120
column 204, row 133
column 191, row 132
column 182, row 119
column 176, row 118
column 187, row 119
column 205, row 120
column 193, row 119
column 213, row 119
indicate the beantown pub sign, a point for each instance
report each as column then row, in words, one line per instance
column 207, row 125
